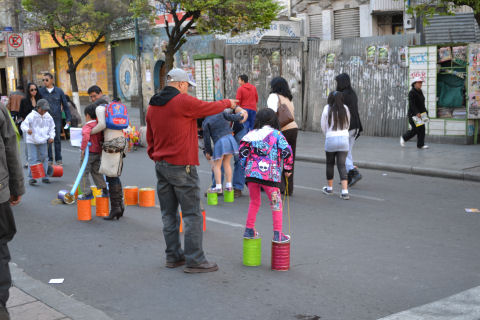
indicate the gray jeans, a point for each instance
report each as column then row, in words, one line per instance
column 178, row 185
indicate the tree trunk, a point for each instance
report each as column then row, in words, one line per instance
column 169, row 59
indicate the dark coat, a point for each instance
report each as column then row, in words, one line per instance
column 350, row 99
column 416, row 102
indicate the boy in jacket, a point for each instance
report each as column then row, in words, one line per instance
column 40, row 130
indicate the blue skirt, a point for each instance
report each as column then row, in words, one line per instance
column 225, row 145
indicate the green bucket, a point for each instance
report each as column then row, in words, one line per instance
column 212, row 199
column 228, row 196
column 252, row 252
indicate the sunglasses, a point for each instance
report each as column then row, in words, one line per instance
column 31, row 90
column 46, row 80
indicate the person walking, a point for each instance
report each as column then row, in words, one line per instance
column 416, row 106
column 265, row 153
column 58, row 103
column 27, row 105
column 247, row 97
column 351, row 101
column 10, row 195
column 239, row 131
column 173, row 145
column 14, row 100
column 280, row 94
column 113, row 152
column 335, row 123
column 39, row 128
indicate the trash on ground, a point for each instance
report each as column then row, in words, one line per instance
column 60, row 280
column 471, row 210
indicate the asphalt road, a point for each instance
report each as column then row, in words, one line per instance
column 401, row 241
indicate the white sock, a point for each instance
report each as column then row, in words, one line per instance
column 329, row 188
column 228, row 185
column 218, row 186
column 344, row 191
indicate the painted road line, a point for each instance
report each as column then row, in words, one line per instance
column 227, row 223
column 351, row 194
column 462, row 306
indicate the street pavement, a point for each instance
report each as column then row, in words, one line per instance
column 402, row 241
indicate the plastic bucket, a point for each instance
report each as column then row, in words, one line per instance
column 228, row 196
column 95, row 192
column 84, row 210
column 146, row 197
column 212, row 198
column 55, row 171
column 280, row 256
column 102, row 208
column 37, row 171
column 252, row 252
column 131, row 195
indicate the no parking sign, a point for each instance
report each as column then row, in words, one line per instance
column 15, row 44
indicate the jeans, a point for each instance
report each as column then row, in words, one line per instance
column 419, row 131
column 238, row 170
column 37, row 153
column 275, row 198
column 7, row 231
column 351, row 142
column 179, row 185
column 339, row 156
column 26, row 149
column 93, row 165
column 291, row 137
column 251, row 119
column 56, row 142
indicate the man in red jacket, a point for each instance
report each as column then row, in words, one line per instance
column 247, row 97
column 173, row 145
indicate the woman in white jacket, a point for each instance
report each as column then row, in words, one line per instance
column 39, row 129
column 335, row 123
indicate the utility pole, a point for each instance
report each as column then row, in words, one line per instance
column 139, row 73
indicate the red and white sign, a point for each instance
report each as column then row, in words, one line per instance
column 15, row 44
column 160, row 19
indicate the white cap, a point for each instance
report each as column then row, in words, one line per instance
column 179, row 75
column 417, row 79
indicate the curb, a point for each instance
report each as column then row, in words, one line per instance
column 54, row 298
column 431, row 172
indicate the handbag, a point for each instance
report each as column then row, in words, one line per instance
column 283, row 113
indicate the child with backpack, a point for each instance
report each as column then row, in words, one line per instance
column 335, row 122
column 264, row 152
column 95, row 151
column 219, row 129
column 39, row 129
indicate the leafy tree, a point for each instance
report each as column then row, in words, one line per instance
column 79, row 22
column 213, row 16
column 427, row 8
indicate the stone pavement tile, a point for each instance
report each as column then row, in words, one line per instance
column 34, row 311
column 18, row 297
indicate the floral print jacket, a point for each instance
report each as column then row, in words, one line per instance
column 263, row 153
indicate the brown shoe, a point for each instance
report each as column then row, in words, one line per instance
column 174, row 264
column 202, row 268
column 237, row 193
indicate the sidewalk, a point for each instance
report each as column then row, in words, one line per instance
column 441, row 160
column 31, row 299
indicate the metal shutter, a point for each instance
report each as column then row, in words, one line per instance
column 316, row 25
column 346, row 23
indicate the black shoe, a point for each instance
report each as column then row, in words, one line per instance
column 32, row 182
column 202, row 268
column 175, row 264
column 356, row 176
column 46, row 180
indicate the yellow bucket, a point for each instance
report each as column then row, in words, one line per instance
column 95, row 192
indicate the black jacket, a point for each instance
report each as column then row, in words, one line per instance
column 416, row 102
column 26, row 106
column 351, row 101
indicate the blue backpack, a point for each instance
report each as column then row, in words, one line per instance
column 116, row 116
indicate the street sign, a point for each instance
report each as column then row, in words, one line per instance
column 15, row 44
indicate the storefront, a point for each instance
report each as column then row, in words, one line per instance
column 36, row 61
column 451, row 88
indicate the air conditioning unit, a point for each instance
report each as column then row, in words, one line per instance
column 408, row 21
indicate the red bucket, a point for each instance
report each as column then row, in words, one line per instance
column 280, row 256
column 37, row 171
column 55, row 171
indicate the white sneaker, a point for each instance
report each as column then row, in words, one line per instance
column 424, row 147
column 402, row 141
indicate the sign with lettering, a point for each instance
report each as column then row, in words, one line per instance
column 15, row 44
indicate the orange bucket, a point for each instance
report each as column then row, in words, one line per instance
column 131, row 195
column 204, row 221
column 147, row 197
column 55, row 171
column 102, row 208
column 84, row 210
column 37, row 171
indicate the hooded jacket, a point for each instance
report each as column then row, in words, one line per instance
column 350, row 99
column 172, row 125
column 43, row 127
column 247, row 96
column 416, row 102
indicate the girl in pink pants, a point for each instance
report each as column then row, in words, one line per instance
column 264, row 152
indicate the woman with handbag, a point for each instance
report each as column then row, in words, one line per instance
column 280, row 101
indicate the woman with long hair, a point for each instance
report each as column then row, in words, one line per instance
column 335, row 123
column 28, row 104
column 280, row 94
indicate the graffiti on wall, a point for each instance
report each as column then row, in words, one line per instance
column 126, row 77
